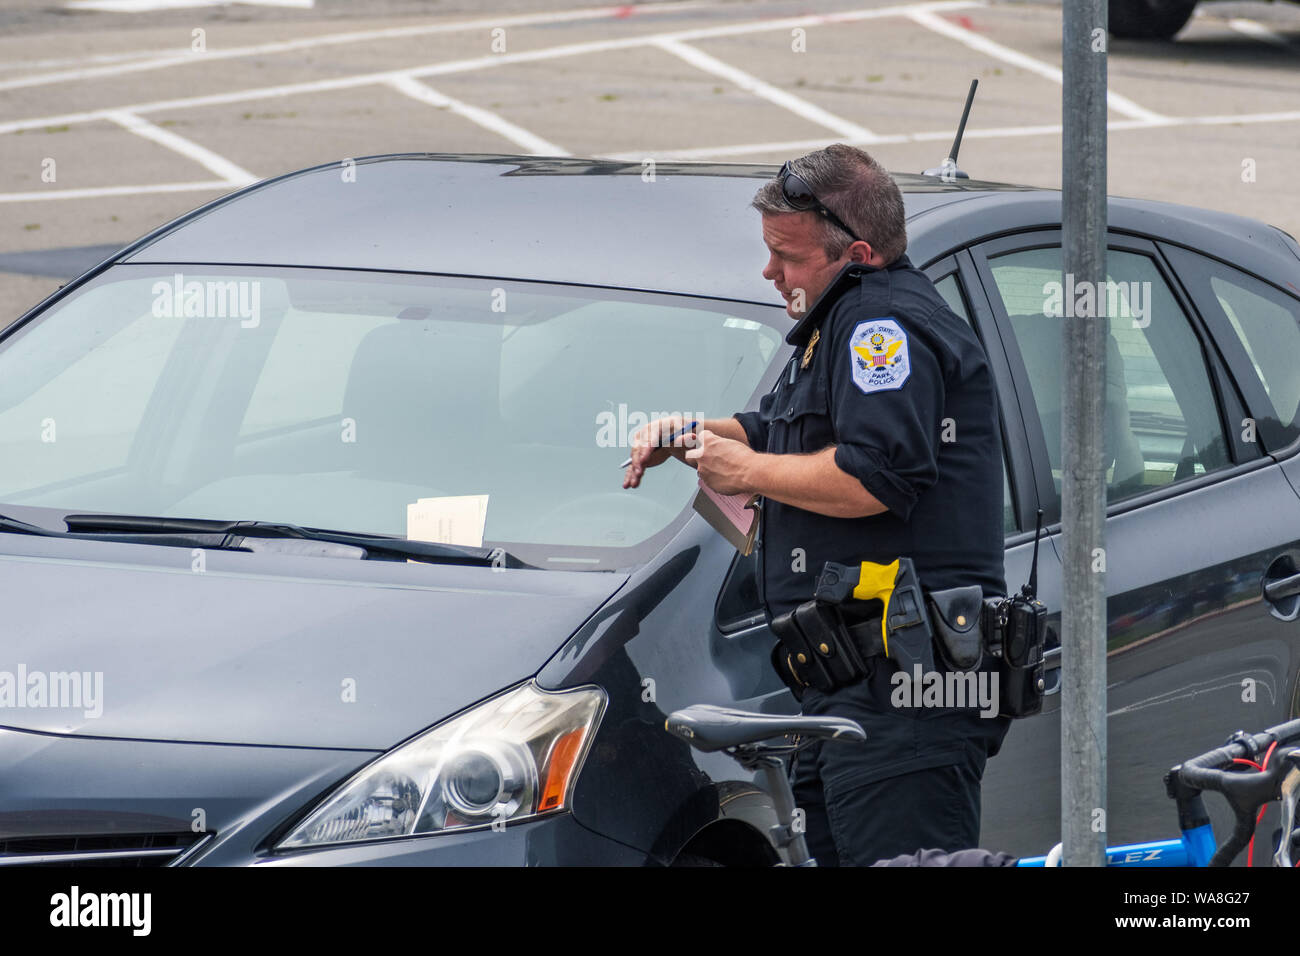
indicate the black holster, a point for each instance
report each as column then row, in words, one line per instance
column 908, row 637
column 818, row 648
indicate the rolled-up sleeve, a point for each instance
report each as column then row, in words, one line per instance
column 756, row 423
column 887, row 401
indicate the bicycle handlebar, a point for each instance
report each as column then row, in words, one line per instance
column 1202, row 772
column 1245, row 792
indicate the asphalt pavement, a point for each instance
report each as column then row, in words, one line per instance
column 118, row 115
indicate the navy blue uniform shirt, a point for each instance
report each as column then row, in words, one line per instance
column 900, row 385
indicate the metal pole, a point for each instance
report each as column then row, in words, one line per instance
column 1083, row 492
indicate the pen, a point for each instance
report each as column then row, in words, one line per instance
column 689, row 426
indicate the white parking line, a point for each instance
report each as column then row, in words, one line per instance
column 488, row 120
column 752, row 84
column 1117, row 102
column 235, row 176
column 136, row 6
column 484, row 62
column 146, row 6
column 704, row 153
column 187, row 57
column 94, row 192
column 823, row 19
column 1260, row 32
column 93, row 58
column 405, row 81
column 1281, row 116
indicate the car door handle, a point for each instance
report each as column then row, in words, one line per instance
column 1277, row 589
column 1052, row 671
column 1282, row 588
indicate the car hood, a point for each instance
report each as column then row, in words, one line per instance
column 135, row 641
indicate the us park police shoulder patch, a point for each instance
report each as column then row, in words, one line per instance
column 878, row 355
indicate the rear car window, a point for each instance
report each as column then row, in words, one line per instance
column 1161, row 418
column 1267, row 322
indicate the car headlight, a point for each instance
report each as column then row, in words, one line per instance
column 509, row 758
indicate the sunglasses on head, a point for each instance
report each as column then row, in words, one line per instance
column 800, row 195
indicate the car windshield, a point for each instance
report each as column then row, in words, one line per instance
column 463, row 410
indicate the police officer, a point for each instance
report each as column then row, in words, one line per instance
column 879, row 441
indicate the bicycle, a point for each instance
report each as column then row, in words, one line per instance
column 745, row 737
column 1247, row 792
column 742, row 735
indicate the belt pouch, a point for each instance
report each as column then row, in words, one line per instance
column 830, row 641
column 955, row 614
column 807, row 663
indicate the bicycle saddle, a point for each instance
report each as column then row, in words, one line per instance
column 710, row 728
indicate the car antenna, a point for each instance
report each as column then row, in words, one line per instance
column 949, row 171
column 1030, row 590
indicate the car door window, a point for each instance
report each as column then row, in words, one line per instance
column 1161, row 419
column 738, row 604
column 951, row 292
column 1266, row 321
column 1268, row 324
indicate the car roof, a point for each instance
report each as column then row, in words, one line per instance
column 591, row 222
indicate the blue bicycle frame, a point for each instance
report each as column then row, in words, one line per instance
column 1194, row 849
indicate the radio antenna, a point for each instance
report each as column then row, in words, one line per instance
column 1031, row 589
column 949, row 171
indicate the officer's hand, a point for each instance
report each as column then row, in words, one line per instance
column 723, row 464
column 647, row 450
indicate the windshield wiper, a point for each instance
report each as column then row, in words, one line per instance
column 14, row 526
column 259, row 535
column 392, row 546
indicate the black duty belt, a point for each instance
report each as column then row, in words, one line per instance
column 827, row 643
column 819, row 648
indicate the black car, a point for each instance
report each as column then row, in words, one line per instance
column 315, row 549
column 1148, row 19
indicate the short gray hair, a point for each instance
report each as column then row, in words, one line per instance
column 857, row 189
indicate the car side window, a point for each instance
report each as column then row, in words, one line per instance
column 738, row 603
column 951, row 292
column 1267, row 323
column 1161, row 418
